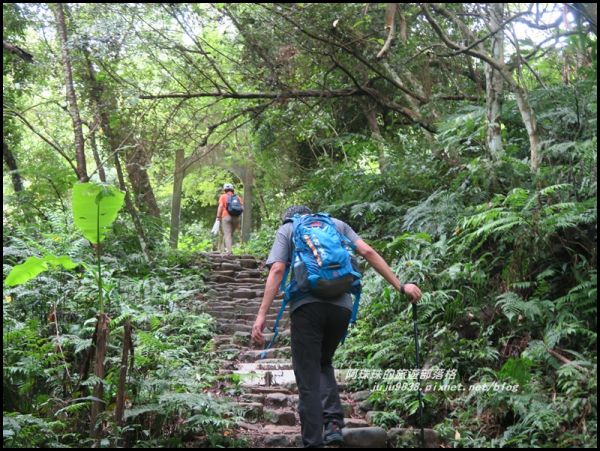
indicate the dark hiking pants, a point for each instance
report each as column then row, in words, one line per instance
column 317, row 329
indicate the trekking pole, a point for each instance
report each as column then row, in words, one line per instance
column 420, row 393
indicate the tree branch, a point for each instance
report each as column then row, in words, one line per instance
column 390, row 24
column 487, row 36
column 46, row 140
column 197, row 43
column 349, row 51
column 25, row 56
column 347, row 92
column 498, row 65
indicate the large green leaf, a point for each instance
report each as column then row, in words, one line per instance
column 33, row 266
column 95, row 207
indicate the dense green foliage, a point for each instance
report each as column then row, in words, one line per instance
column 397, row 146
column 42, row 358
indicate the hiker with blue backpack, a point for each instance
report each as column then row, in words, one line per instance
column 229, row 215
column 318, row 252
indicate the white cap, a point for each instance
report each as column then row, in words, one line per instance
column 228, row 186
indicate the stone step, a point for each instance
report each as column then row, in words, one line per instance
column 276, row 364
column 254, row 355
column 222, row 272
column 243, row 294
column 282, row 441
column 226, row 364
column 272, row 435
column 236, row 282
column 353, row 423
column 218, row 291
column 280, row 400
column 225, row 301
column 251, row 273
column 360, row 395
column 277, row 400
column 283, row 333
column 249, row 262
column 369, row 437
column 251, row 376
column 229, row 346
column 218, row 298
column 231, row 266
column 284, row 417
column 241, row 305
column 252, row 410
column 217, row 309
column 266, row 390
column 250, row 280
column 228, row 288
column 252, row 397
column 232, row 328
column 220, row 258
column 253, row 309
column 220, row 279
column 218, row 344
column 233, row 284
column 411, row 437
column 245, row 338
column 257, row 411
column 247, row 318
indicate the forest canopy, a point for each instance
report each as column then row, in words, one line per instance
column 458, row 139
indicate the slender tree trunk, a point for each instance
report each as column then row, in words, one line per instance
column 137, row 160
column 248, row 201
column 101, row 342
column 528, row 117
column 11, row 163
column 101, row 173
column 127, row 349
column 495, row 84
column 176, row 200
column 70, row 90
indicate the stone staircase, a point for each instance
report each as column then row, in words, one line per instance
column 269, row 395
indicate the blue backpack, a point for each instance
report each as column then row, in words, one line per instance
column 322, row 265
column 234, row 206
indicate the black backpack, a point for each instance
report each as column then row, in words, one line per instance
column 234, row 206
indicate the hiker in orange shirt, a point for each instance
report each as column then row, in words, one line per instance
column 229, row 214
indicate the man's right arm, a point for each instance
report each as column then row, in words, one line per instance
column 380, row 265
column 277, row 261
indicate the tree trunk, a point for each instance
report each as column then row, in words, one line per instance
column 176, row 200
column 127, row 349
column 101, row 173
column 131, row 209
column 101, row 344
column 248, row 201
column 70, row 90
column 11, row 163
column 528, row 116
column 494, row 84
column 527, row 113
column 137, row 160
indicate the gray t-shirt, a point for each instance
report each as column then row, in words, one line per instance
column 282, row 252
